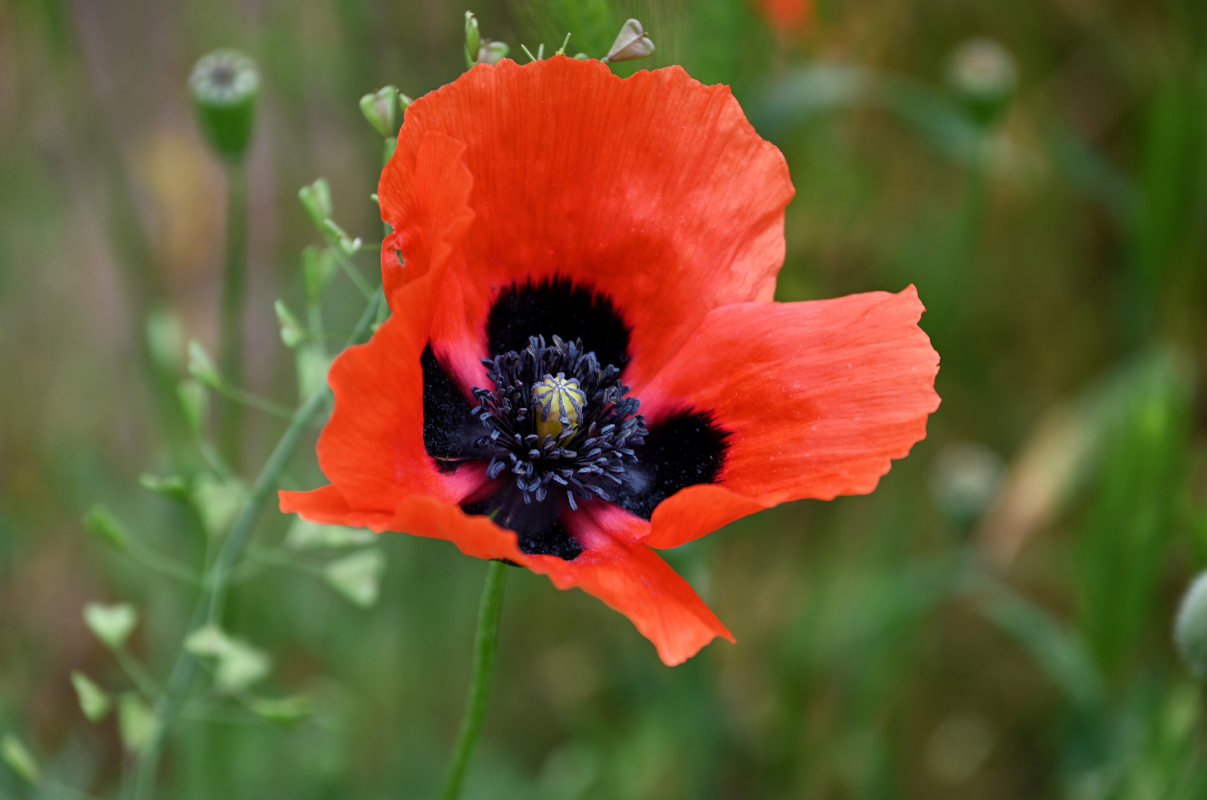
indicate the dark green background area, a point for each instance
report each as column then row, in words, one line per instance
column 993, row 622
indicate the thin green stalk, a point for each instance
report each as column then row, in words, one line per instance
column 213, row 592
column 486, row 646
column 234, row 290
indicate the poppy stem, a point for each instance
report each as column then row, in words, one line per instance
column 486, row 645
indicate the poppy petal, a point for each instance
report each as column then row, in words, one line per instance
column 372, row 449
column 634, row 580
column 816, row 397
column 653, row 190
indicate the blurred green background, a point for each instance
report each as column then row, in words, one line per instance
column 994, row 622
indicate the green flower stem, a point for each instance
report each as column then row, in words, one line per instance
column 234, row 283
column 214, row 586
column 486, row 646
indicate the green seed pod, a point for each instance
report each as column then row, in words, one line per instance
column 382, row 109
column 632, row 42
column 1190, row 627
column 984, row 75
column 224, row 84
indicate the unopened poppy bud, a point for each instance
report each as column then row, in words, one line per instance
column 224, row 86
column 381, row 109
column 1190, row 627
column 473, row 38
column 492, row 52
column 984, row 75
column 559, row 405
column 632, row 42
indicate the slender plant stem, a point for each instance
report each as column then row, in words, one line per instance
column 234, row 289
column 486, row 646
column 213, row 591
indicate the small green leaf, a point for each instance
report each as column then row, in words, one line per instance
column 193, row 401
column 282, row 709
column 136, row 722
column 316, row 199
column 19, row 759
column 111, row 624
column 357, row 576
column 218, row 501
column 202, row 368
column 312, row 366
column 106, row 527
column 175, row 487
column 207, row 641
column 292, row 332
column 318, row 265
column 306, row 535
column 165, row 335
column 93, row 701
column 238, row 664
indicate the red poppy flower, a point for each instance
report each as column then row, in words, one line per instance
column 583, row 362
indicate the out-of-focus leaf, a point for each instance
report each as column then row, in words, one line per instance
column 111, row 624
column 107, row 527
column 136, row 722
column 306, row 535
column 175, row 487
column 218, row 500
column 19, row 759
column 207, row 641
column 237, row 664
column 358, row 576
column 282, row 709
column 94, row 702
column 312, row 366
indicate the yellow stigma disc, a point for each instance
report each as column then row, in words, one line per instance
column 559, row 404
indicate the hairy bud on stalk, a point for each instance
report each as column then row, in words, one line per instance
column 1190, row 627
column 984, row 75
column 224, row 85
column 631, row 43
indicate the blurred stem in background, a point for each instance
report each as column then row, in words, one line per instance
column 234, row 283
column 209, row 604
column 486, row 647
column 225, row 84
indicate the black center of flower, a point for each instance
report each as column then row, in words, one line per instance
column 561, row 346
column 584, row 459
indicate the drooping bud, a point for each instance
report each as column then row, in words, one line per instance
column 382, row 109
column 224, row 84
column 632, row 42
column 559, row 405
column 1190, row 627
column 984, row 75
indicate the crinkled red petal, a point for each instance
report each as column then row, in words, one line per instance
column 818, row 397
column 654, row 189
column 372, row 449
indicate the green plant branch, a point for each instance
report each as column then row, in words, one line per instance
column 213, row 592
